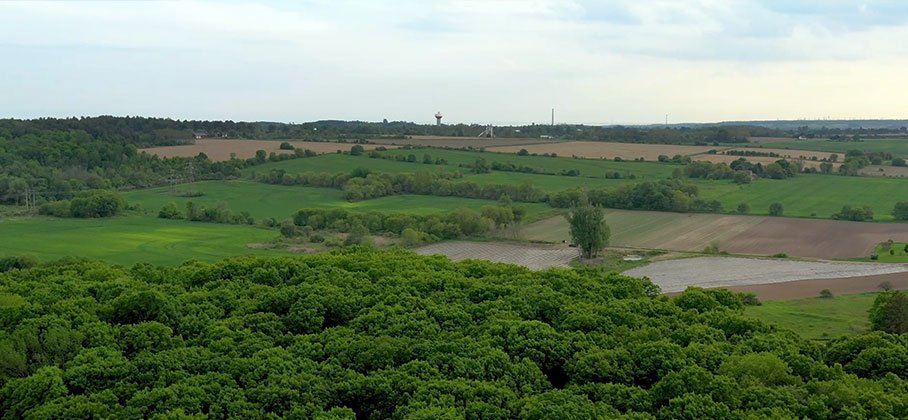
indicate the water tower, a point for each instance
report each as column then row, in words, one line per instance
column 438, row 118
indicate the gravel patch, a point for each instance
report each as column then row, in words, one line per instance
column 710, row 272
column 532, row 257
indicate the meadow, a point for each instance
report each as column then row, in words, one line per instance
column 896, row 146
column 818, row 318
column 130, row 239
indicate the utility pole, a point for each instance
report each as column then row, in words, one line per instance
column 553, row 117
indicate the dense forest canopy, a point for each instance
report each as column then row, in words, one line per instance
column 360, row 333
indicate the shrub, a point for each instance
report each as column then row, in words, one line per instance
column 885, row 286
column 170, row 211
column 898, row 162
column 743, row 208
column 874, row 256
column 357, row 150
column 775, row 209
column 55, row 208
column 316, row 238
column 826, row 294
column 286, row 146
column 523, row 152
column 18, row 262
column 780, row 255
column 900, row 211
column 99, row 203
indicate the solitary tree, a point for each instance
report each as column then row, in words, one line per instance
column 588, row 229
column 775, row 209
column 900, row 211
column 890, row 313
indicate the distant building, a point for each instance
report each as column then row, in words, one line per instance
column 199, row 134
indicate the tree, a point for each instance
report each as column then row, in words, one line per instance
column 889, row 313
column 523, row 152
column 900, row 211
column 897, row 161
column 286, row 146
column 356, row 150
column 826, row 167
column 775, row 209
column 743, row 208
column 588, row 229
column 480, row 166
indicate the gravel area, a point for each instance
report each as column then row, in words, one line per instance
column 710, row 272
column 532, row 257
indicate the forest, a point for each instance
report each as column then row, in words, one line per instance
column 360, row 333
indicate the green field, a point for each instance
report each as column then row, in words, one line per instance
column 334, row 163
column 595, row 168
column 818, row 318
column 806, row 194
column 280, row 201
column 894, row 254
column 898, row 147
column 129, row 239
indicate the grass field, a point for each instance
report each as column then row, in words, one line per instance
column 894, row 254
column 129, row 239
column 898, row 147
column 818, row 318
column 280, row 201
column 334, row 163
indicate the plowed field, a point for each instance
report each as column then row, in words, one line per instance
column 218, row 150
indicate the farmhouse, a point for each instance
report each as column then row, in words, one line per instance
column 199, row 134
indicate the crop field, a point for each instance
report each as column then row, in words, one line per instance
column 896, row 146
column 534, row 257
column 711, row 272
column 887, row 171
column 280, row 201
column 218, row 150
column 128, row 240
column 599, row 149
column 460, row 142
column 334, row 163
column 596, row 168
column 736, row 234
column 818, row 318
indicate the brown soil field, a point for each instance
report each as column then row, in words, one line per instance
column 218, row 150
column 461, row 142
column 814, row 238
column 750, row 235
column 811, row 288
column 600, row 149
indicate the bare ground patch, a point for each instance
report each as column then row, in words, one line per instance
column 219, row 150
column 711, row 272
column 532, row 257
column 601, row 149
column 814, row 238
column 887, row 171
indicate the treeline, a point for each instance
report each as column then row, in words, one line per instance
column 87, row 204
column 664, row 195
column 211, row 214
column 361, row 184
column 452, row 225
column 366, row 334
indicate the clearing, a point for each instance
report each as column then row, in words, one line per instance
column 218, row 150
column 711, row 272
column 532, row 257
column 601, row 149
column 818, row 318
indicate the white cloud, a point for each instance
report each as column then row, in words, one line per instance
column 477, row 61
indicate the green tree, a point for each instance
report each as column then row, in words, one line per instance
column 775, row 209
column 743, row 208
column 889, row 313
column 588, row 229
column 900, row 211
column 356, row 150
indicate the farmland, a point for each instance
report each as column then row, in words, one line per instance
column 459, row 142
column 129, row 239
column 222, row 149
column 896, row 146
column 736, row 234
column 818, row 318
column 596, row 149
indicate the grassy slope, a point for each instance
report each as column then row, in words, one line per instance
column 280, row 202
column 898, row 256
column 128, row 239
column 818, row 318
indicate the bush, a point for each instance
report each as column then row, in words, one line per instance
column 99, row 203
column 900, row 211
column 286, row 146
column 55, row 208
column 855, row 214
column 356, row 150
column 743, row 208
column 780, row 255
column 316, row 238
column 775, row 209
column 898, row 162
column 750, row 299
column 523, row 152
column 885, row 286
column 19, row 262
column 874, row 256
column 170, row 211
column 826, row 294
column 289, row 230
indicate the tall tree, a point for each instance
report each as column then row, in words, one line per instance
column 588, row 229
column 890, row 313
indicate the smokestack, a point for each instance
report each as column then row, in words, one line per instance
column 553, row 117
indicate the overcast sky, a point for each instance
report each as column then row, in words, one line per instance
column 503, row 62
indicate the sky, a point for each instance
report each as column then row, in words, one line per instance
column 487, row 62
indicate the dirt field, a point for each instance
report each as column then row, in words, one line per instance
column 532, row 257
column 711, row 272
column 461, row 142
column 599, row 149
column 218, row 150
column 755, row 235
column 811, row 288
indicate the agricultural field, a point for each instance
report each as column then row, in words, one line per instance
column 896, row 146
column 896, row 252
column 218, row 150
column 751, row 235
column 460, row 142
column 887, row 171
column 334, row 163
column 280, row 201
column 598, row 149
column 818, row 318
column 765, row 160
column 714, row 272
column 534, row 257
column 130, row 239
